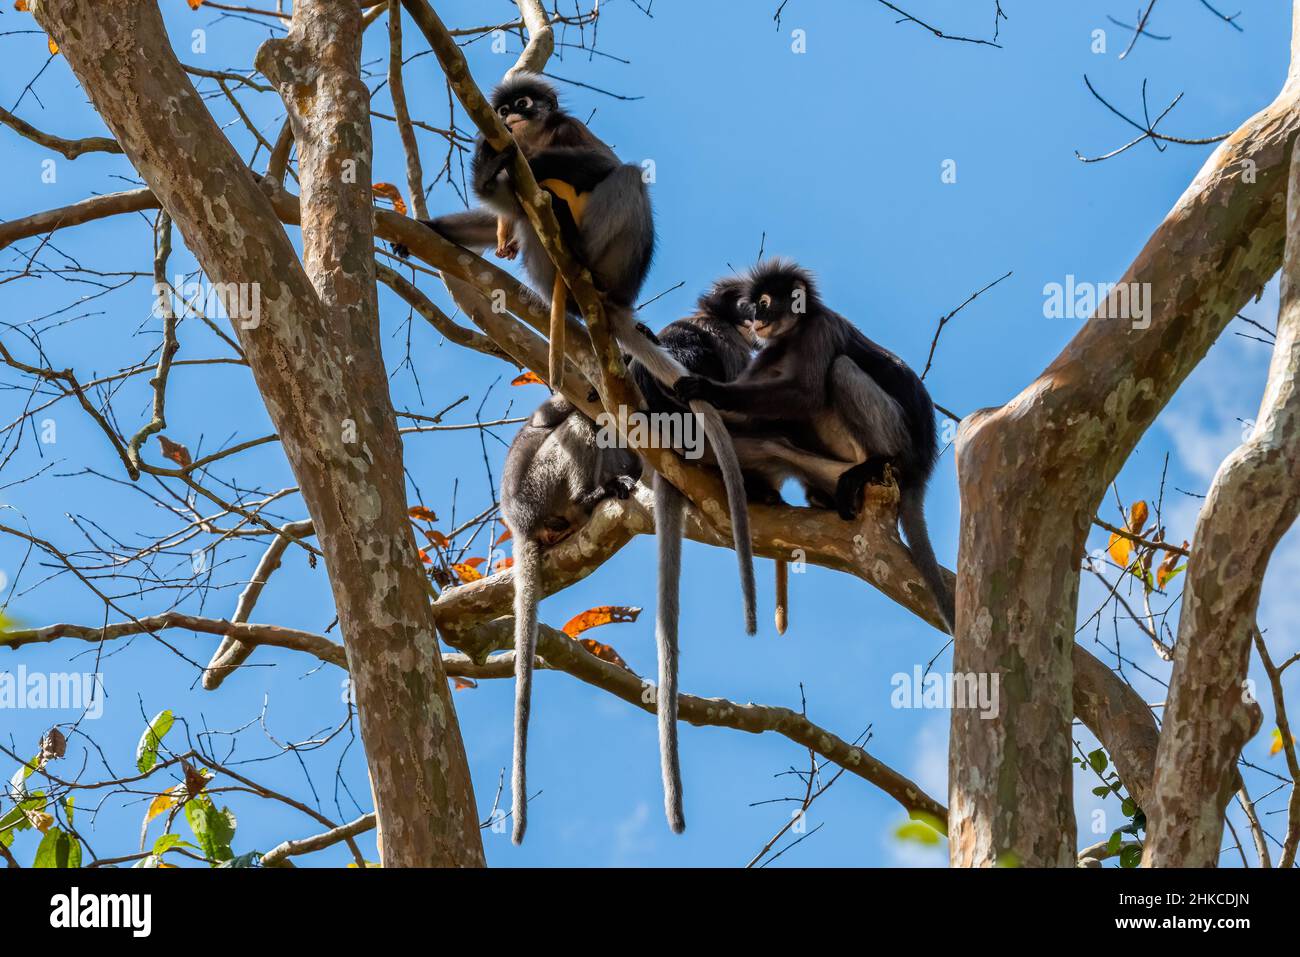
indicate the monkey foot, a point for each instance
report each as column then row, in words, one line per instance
column 508, row 250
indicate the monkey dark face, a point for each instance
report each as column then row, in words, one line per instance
column 524, row 103
column 724, row 301
column 780, row 294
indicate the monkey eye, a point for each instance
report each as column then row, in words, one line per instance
column 524, row 103
column 504, row 110
column 765, row 301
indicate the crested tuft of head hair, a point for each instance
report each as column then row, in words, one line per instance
column 723, row 299
column 778, row 277
column 524, row 84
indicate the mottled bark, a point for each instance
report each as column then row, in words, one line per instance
column 1033, row 473
column 314, row 352
column 1253, row 500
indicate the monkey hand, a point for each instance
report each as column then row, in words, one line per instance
column 508, row 249
column 400, row 251
column 621, row 487
column 691, row 387
column 642, row 328
column 493, row 166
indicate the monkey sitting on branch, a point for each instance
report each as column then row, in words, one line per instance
column 556, row 473
column 842, row 411
column 606, row 221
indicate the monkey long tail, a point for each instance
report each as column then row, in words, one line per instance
column 667, row 371
column 737, row 505
column 911, row 517
column 555, row 359
column 527, row 569
column 670, row 507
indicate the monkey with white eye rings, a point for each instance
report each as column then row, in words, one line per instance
column 606, row 220
column 713, row 341
column 556, row 473
column 840, row 407
column 602, row 205
column 605, row 215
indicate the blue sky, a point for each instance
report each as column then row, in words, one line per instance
column 833, row 157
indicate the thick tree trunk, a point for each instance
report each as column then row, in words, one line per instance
column 314, row 353
column 1253, row 500
column 1033, row 472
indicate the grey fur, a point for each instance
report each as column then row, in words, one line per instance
column 670, row 512
column 667, row 370
column 555, row 475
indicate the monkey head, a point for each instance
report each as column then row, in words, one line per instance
column 779, row 295
column 725, row 302
column 525, row 102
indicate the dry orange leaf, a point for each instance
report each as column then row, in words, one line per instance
column 1120, row 548
column 466, row 572
column 54, row 47
column 424, row 557
column 603, row 652
column 1168, row 567
column 1137, row 517
column 20, row 5
column 164, row 802
column 195, row 781
column 503, row 564
column 461, row 684
column 175, row 451
column 436, row 538
column 421, row 513
column 390, row 192
column 194, row 4
column 600, row 615
column 505, row 537
column 528, row 378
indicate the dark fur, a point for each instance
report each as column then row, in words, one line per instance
column 555, row 476
column 616, row 240
column 821, row 387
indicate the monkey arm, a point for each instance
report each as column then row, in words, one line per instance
column 783, row 397
column 486, row 169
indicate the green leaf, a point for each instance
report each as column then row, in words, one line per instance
column 1101, row 792
column 213, row 829
column 1113, row 845
column 58, row 849
column 166, row 842
column 1129, row 807
column 1098, row 760
column 146, row 752
column 18, row 789
column 1130, row 857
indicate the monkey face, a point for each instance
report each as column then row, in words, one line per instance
column 725, row 301
column 776, row 313
column 780, row 294
column 524, row 109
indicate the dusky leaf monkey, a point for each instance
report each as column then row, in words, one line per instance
column 841, row 408
column 556, row 473
column 606, row 220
